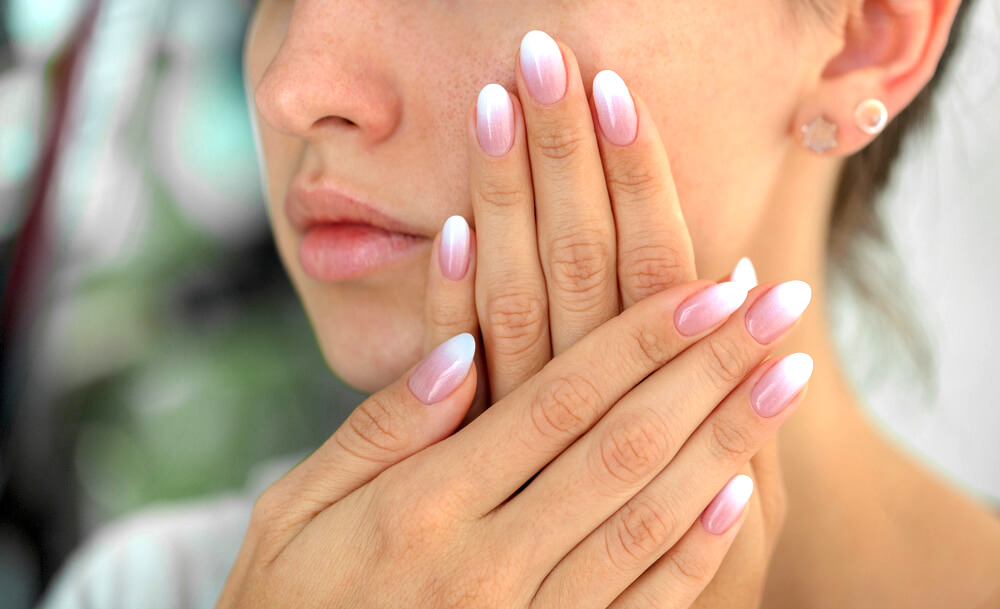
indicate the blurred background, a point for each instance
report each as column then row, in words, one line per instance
column 152, row 349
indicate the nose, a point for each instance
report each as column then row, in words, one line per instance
column 328, row 75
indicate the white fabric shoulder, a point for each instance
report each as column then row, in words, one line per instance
column 169, row 556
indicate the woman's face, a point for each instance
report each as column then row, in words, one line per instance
column 370, row 96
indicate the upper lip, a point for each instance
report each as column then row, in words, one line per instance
column 309, row 204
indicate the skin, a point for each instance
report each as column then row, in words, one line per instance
column 727, row 90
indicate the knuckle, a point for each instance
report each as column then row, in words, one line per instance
column 652, row 268
column 631, row 450
column 730, row 441
column 559, row 141
column 565, row 407
column 498, row 193
column 269, row 508
column 275, row 513
column 727, row 360
column 377, row 431
column 691, row 568
column 650, row 348
column 581, row 264
column 515, row 320
column 641, row 530
column 450, row 318
column 639, row 182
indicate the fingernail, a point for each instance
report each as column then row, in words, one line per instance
column 709, row 307
column 775, row 311
column 745, row 273
column 443, row 369
column 495, row 120
column 727, row 506
column 454, row 254
column 615, row 108
column 543, row 68
column 780, row 384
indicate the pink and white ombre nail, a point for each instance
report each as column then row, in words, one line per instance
column 778, row 309
column 615, row 108
column 709, row 307
column 443, row 369
column 727, row 506
column 543, row 68
column 782, row 382
column 454, row 254
column 744, row 273
column 494, row 120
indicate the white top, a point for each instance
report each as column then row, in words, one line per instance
column 166, row 557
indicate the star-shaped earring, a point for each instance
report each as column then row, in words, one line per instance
column 819, row 135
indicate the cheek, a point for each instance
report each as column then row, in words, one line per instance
column 722, row 86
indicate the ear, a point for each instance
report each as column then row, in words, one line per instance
column 891, row 49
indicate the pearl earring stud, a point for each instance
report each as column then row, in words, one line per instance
column 871, row 116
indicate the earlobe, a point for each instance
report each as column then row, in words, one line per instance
column 891, row 49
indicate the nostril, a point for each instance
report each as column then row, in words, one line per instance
column 331, row 121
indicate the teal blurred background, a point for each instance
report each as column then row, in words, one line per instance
column 152, row 349
column 152, row 346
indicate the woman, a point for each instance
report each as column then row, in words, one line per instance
column 627, row 457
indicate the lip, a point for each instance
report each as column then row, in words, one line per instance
column 307, row 206
column 345, row 237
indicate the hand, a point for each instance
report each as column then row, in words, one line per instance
column 577, row 222
column 635, row 428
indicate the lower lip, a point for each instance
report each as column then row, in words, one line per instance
column 335, row 252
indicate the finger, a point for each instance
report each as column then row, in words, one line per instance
column 419, row 409
column 744, row 273
column 615, row 553
column 679, row 576
column 449, row 303
column 743, row 572
column 654, row 246
column 772, row 496
column 520, row 434
column 510, row 289
column 595, row 476
column 576, row 229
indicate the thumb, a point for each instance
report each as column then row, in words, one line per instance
column 421, row 408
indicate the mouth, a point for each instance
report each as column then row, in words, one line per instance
column 346, row 238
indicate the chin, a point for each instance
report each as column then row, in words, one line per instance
column 368, row 347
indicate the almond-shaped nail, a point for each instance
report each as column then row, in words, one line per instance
column 494, row 120
column 782, row 382
column 744, row 273
column 543, row 67
column 778, row 309
column 454, row 254
column 727, row 506
column 615, row 108
column 709, row 307
column 443, row 369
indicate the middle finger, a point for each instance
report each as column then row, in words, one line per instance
column 576, row 228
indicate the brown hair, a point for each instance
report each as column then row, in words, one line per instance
column 858, row 246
